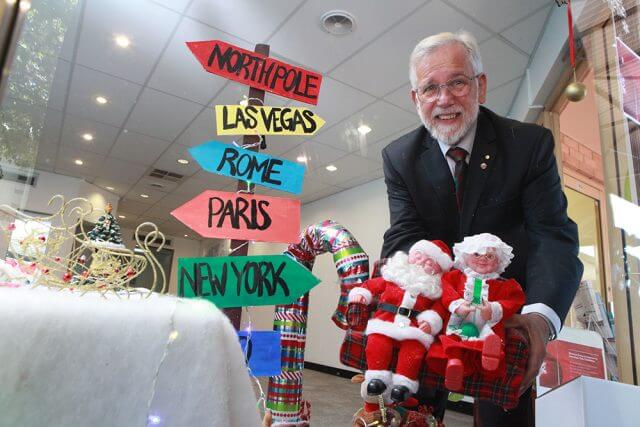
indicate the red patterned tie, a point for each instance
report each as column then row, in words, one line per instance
column 459, row 156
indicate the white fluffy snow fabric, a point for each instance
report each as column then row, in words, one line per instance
column 71, row 360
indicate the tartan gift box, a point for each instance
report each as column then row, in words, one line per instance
column 358, row 315
column 500, row 391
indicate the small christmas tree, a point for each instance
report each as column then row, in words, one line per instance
column 107, row 229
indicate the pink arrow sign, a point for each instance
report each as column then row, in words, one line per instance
column 241, row 216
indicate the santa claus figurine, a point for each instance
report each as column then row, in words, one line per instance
column 408, row 316
column 479, row 300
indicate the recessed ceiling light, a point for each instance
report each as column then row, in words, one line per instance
column 183, row 161
column 122, row 41
column 301, row 159
column 78, row 162
column 87, row 137
column 331, row 168
column 101, row 100
column 186, row 235
column 364, row 129
column 144, row 196
column 121, row 216
column 110, row 188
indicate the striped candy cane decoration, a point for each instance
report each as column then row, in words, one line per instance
column 284, row 397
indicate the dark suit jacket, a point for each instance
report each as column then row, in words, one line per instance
column 517, row 197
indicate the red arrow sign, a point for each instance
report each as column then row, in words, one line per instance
column 223, row 215
column 257, row 70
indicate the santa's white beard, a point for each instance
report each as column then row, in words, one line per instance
column 412, row 278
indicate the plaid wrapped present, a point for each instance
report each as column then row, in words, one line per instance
column 358, row 316
column 503, row 392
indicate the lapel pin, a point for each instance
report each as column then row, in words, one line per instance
column 487, row 157
column 483, row 165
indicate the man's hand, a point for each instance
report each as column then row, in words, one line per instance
column 485, row 311
column 536, row 329
column 425, row 327
column 464, row 309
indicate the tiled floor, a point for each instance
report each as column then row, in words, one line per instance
column 334, row 401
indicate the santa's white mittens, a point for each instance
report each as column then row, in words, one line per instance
column 496, row 312
column 412, row 385
column 432, row 318
column 357, row 292
column 455, row 305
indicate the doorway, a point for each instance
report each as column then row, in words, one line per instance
column 585, row 212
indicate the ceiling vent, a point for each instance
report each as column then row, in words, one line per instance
column 338, row 22
column 163, row 174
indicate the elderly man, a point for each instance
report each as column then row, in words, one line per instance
column 470, row 171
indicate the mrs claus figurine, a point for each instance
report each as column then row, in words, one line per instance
column 479, row 301
column 408, row 316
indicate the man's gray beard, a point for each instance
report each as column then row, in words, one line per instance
column 455, row 137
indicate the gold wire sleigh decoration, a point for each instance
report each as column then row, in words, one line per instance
column 55, row 251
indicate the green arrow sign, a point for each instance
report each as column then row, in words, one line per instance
column 244, row 281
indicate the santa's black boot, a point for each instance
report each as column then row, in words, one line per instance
column 376, row 387
column 400, row 393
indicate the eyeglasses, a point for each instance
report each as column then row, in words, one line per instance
column 458, row 86
column 488, row 256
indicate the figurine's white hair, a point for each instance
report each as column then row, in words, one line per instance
column 431, row 43
column 479, row 243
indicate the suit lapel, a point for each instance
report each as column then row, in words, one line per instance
column 480, row 165
column 439, row 175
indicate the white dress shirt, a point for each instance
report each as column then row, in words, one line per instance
column 467, row 143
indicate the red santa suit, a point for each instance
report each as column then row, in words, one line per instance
column 408, row 296
column 505, row 296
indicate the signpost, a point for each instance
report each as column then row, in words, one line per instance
column 257, row 70
column 245, row 216
column 257, row 120
column 224, row 215
column 236, row 162
column 244, row 281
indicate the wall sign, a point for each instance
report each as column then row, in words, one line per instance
column 258, row 120
column 241, row 216
column 262, row 352
column 244, row 281
column 259, row 71
column 235, row 162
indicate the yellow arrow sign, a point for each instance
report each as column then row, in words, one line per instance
column 258, row 120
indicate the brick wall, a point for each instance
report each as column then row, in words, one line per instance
column 581, row 159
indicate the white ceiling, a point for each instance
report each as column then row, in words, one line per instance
column 160, row 98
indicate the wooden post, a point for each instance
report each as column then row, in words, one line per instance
column 241, row 247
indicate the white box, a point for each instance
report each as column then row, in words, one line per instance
column 589, row 402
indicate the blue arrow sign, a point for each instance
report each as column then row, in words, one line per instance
column 235, row 162
column 262, row 350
